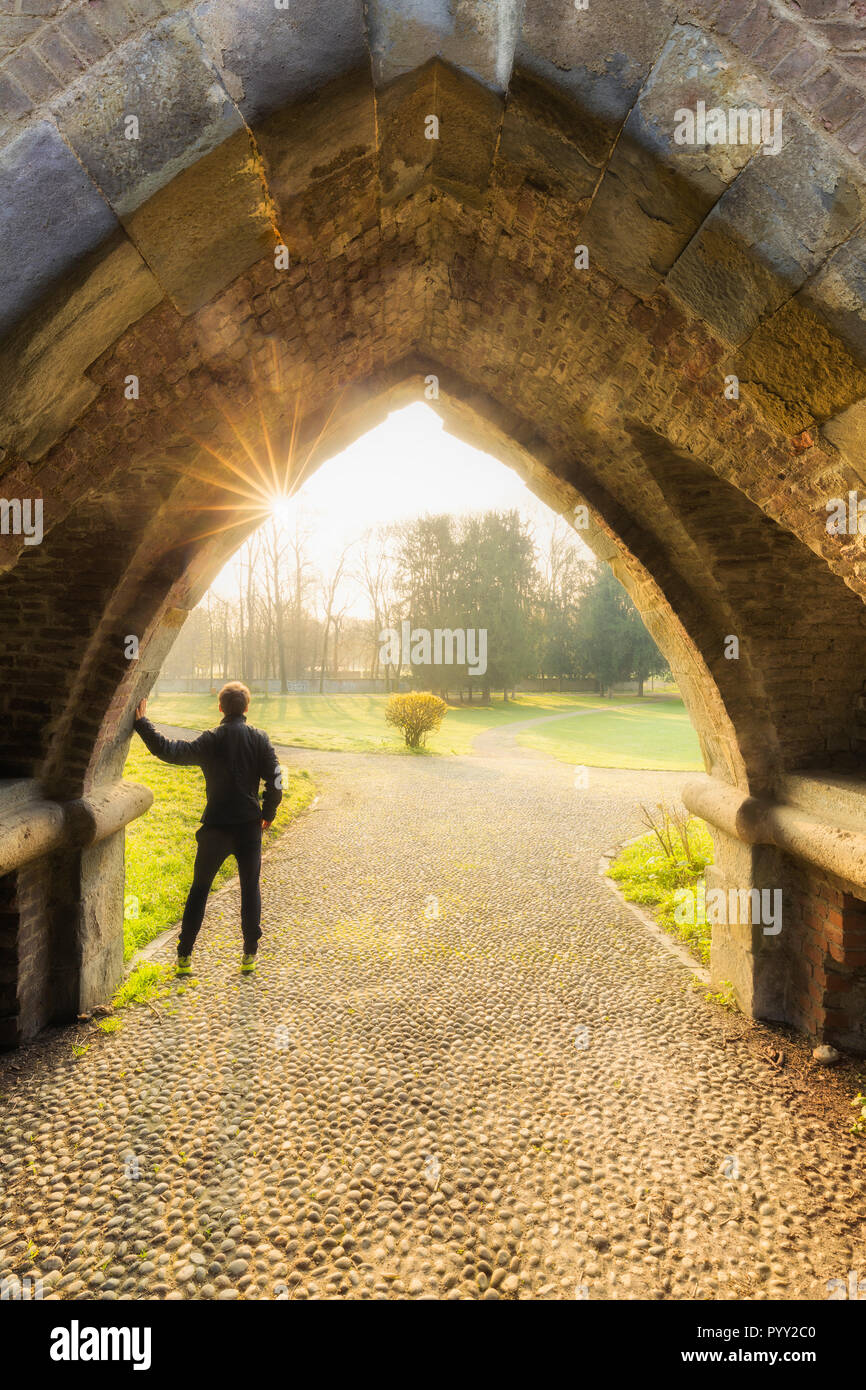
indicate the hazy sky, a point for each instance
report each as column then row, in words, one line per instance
column 405, row 467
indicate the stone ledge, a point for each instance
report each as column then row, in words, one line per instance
column 31, row 827
column 821, row 827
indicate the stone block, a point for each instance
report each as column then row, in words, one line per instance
column 42, row 364
column 310, row 140
column 270, row 57
column 479, row 36
column 162, row 79
column 405, row 154
column 597, row 58
column 657, row 191
column 459, row 157
column 847, row 433
column 768, row 233
column 207, row 226
column 51, row 216
column 797, row 370
column 541, row 130
column 837, row 294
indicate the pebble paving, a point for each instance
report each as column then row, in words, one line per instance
column 463, row 1070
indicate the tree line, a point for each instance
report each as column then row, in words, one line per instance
column 548, row 613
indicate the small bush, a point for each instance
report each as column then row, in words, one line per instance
column 415, row 715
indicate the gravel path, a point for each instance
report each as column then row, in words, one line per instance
column 463, row 1070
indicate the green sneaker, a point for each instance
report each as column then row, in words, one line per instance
column 248, row 965
column 184, row 965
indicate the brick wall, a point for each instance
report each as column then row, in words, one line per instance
column 815, row 48
column 35, row 954
column 8, row 960
column 25, row 955
column 825, row 933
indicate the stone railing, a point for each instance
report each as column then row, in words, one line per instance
column 817, row 819
column 32, row 826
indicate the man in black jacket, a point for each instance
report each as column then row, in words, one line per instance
column 234, row 758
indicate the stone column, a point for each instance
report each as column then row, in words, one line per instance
column 61, row 903
column 742, row 953
column 809, row 845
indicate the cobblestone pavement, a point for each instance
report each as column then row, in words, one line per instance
column 463, row 1070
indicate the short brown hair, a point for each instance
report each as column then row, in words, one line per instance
column 234, row 698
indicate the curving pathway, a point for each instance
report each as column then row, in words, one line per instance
column 463, row 1070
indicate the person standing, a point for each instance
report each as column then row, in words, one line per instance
column 235, row 758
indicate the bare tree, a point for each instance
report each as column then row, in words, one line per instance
column 210, row 636
column 275, row 545
column 300, row 581
column 332, row 613
column 248, row 560
column 373, row 576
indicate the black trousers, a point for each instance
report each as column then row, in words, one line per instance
column 215, row 844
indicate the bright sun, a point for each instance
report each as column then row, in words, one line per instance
column 281, row 509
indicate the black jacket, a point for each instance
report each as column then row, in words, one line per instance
column 234, row 758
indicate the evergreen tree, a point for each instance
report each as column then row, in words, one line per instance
column 616, row 644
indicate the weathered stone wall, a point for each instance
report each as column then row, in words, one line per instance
column 816, row 46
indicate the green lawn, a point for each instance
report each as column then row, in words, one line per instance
column 341, row 723
column 160, row 847
column 654, row 733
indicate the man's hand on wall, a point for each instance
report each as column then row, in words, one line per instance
column 141, row 708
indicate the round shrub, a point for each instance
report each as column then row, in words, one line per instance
column 416, row 715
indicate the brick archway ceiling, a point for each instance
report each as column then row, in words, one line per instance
column 154, row 257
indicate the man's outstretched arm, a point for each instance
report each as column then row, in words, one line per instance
column 183, row 752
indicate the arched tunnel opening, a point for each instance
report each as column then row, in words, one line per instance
column 621, row 252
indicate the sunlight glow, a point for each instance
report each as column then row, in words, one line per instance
column 407, row 466
column 282, row 509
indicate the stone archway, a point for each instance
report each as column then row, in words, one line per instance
column 230, row 232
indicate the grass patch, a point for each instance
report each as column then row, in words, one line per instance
column 160, row 847
column 724, row 997
column 110, row 1025
column 352, row 723
column 650, row 877
column 653, row 732
column 143, row 984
